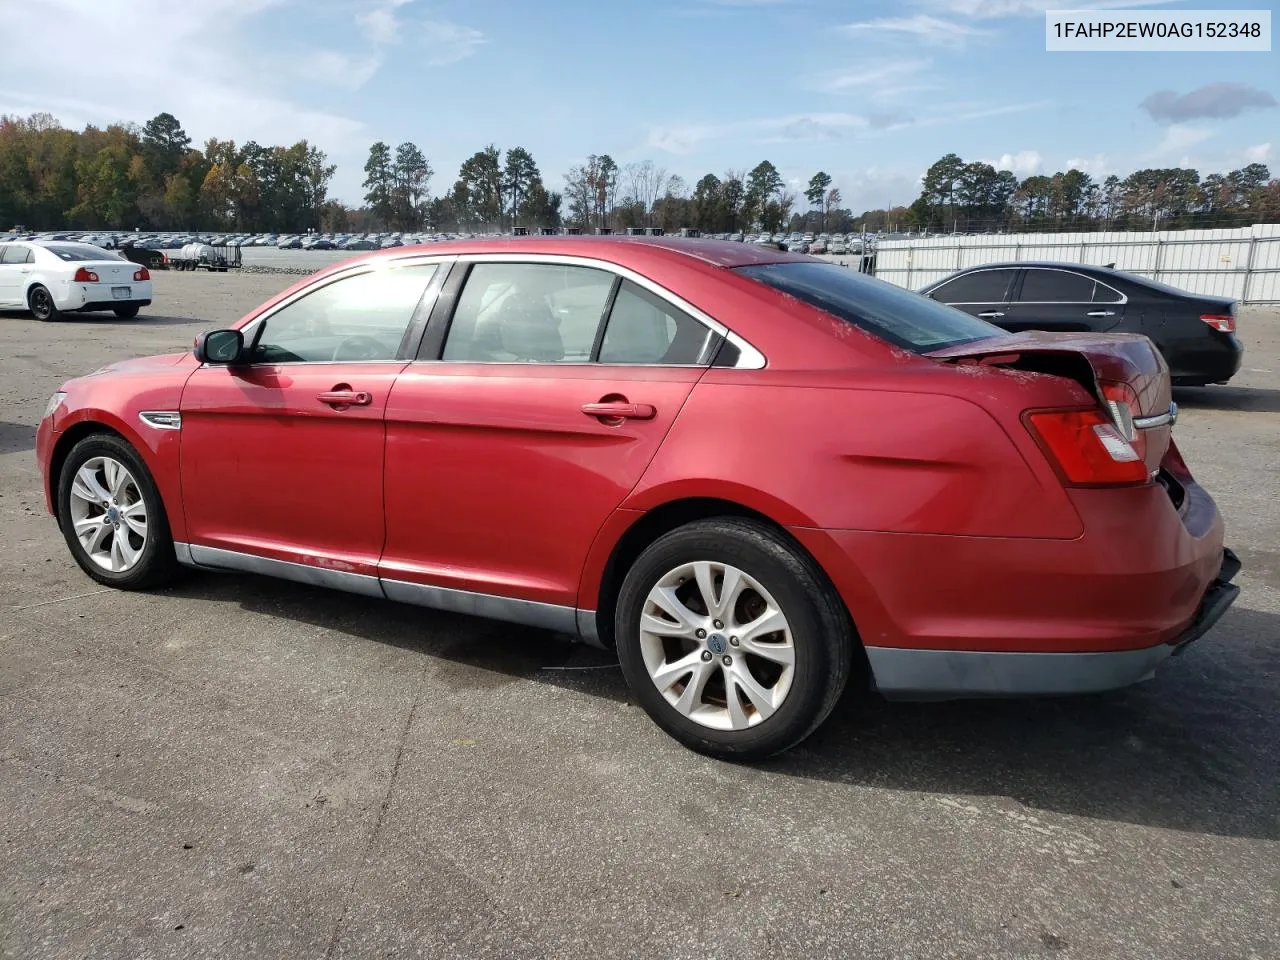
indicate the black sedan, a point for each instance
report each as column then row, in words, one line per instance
column 1195, row 333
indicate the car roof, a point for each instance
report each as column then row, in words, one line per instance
column 1052, row 264
column 624, row 250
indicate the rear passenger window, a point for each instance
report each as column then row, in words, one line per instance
column 981, row 286
column 12, row 253
column 643, row 328
column 527, row 313
column 1056, row 286
column 1104, row 294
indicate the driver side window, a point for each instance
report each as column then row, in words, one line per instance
column 357, row 318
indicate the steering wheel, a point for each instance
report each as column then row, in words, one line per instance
column 359, row 348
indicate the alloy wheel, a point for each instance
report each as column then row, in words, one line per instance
column 108, row 514
column 41, row 303
column 717, row 646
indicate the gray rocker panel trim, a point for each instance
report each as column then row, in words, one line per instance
column 548, row 616
column 910, row 674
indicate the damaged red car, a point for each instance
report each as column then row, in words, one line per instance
column 755, row 475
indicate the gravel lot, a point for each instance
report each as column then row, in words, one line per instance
column 239, row 767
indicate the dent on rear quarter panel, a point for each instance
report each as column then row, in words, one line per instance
column 855, row 459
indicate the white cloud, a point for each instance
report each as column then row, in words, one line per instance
column 1096, row 166
column 1178, row 137
column 873, row 75
column 201, row 64
column 1260, row 153
column 687, row 138
column 337, row 69
column 379, row 24
column 449, row 42
column 875, row 188
column 920, row 28
column 1024, row 163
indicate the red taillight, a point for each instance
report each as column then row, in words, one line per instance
column 85, row 275
column 1087, row 448
column 141, row 274
column 1223, row 322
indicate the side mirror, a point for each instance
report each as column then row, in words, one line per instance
column 219, row 346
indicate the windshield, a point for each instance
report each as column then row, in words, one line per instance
column 897, row 315
column 79, row 251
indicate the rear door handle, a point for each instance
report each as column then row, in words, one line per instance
column 988, row 314
column 1101, row 313
column 620, row 410
column 345, row 398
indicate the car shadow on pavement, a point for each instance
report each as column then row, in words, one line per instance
column 1193, row 750
column 1249, row 399
column 142, row 319
column 16, row 437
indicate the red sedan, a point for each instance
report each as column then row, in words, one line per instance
column 753, row 473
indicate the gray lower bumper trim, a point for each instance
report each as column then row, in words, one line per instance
column 907, row 674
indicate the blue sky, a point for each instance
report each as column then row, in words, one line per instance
column 872, row 92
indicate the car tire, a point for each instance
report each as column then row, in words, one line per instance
column 774, row 575
column 125, row 313
column 40, row 302
column 92, row 528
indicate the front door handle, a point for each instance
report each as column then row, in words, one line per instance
column 620, row 410
column 345, row 398
column 988, row 314
column 1101, row 313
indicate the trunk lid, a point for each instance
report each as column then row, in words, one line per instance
column 1117, row 368
column 111, row 271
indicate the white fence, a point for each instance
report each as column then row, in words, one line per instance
column 1242, row 263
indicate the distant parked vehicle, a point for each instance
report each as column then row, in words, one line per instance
column 1196, row 334
column 289, row 243
column 51, row 279
column 207, row 256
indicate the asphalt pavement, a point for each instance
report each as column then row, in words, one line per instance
column 242, row 767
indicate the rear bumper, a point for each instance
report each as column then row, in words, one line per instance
column 953, row 616
column 113, row 304
column 912, row 674
column 1215, row 360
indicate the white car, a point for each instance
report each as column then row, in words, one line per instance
column 52, row 278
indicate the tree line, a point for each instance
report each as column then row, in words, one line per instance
column 974, row 196
column 151, row 177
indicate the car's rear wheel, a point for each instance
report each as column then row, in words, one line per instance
column 732, row 639
column 112, row 517
column 125, row 313
column 40, row 301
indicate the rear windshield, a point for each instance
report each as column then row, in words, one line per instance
column 79, row 251
column 892, row 313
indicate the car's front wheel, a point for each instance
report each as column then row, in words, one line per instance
column 732, row 639
column 40, row 301
column 112, row 517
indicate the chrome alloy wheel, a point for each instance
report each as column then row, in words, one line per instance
column 108, row 514
column 717, row 645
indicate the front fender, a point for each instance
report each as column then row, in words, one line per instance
column 159, row 449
